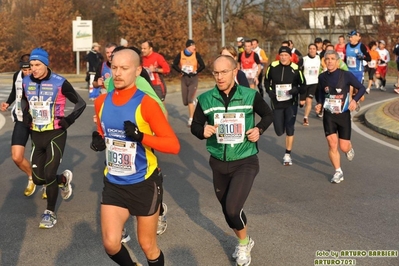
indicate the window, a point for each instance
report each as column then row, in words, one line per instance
column 332, row 21
column 367, row 20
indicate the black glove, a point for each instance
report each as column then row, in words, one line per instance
column 382, row 62
column 293, row 91
column 271, row 94
column 132, row 131
column 360, row 56
column 97, row 142
column 65, row 122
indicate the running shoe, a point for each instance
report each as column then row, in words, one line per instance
column 242, row 253
column 49, row 219
column 382, row 88
column 30, row 188
column 125, row 236
column 350, row 154
column 44, row 193
column 338, row 177
column 396, row 85
column 162, row 220
column 66, row 189
column 368, row 90
column 287, row 159
column 321, row 113
column 306, row 122
column 396, row 90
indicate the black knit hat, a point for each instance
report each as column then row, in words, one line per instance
column 284, row 49
column 189, row 43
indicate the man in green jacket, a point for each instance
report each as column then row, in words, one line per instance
column 225, row 116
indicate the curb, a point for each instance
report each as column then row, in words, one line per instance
column 376, row 119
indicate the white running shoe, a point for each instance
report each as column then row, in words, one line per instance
column 49, row 219
column 66, row 189
column 125, row 236
column 350, row 154
column 287, row 159
column 338, row 177
column 382, row 88
column 162, row 220
column 242, row 253
column 368, row 90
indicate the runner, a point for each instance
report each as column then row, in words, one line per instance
column 240, row 44
column 372, row 65
column 383, row 63
column 282, row 82
column 340, row 47
column 131, row 125
column 19, row 114
column 296, row 52
column 263, row 62
column 319, row 44
column 311, row 69
column 94, row 60
column 225, row 116
column 47, row 93
column 250, row 64
column 189, row 63
column 396, row 53
column 334, row 98
column 240, row 78
column 104, row 72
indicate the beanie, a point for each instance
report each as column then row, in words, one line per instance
column 39, row 54
column 284, row 49
column 189, row 43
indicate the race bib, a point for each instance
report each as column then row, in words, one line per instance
column 351, row 61
column 40, row 112
column 120, row 157
column 333, row 105
column 231, row 127
column 250, row 73
column 187, row 68
column 372, row 63
column 282, row 92
column 341, row 55
column 313, row 71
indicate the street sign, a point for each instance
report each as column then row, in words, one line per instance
column 82, row 34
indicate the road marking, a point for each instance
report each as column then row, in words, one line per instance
column 361, row 132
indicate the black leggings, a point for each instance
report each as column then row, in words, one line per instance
column 47, row 150
column 232, row 183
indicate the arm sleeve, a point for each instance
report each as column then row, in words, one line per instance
column 264, row 111
column 75, row 98
column 266, row 83
column 199, row 120
column 164, row 65
column 256, row 58
column 366, row 53
column 145, row 75
column 97, row 108
column 201, row 64
column 164, row 138
column 242, row 79
column 11, row 97
column 176, row 63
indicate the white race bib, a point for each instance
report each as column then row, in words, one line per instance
column 187, row 69
column 282, row 92
column 351, row 61
column 333, row 105
column 372, row 63
column 40, row 112
column 120, row 156
column 231, row 127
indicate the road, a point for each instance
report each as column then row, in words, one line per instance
column 293, row 212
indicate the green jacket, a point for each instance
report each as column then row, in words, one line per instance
column 213, row 106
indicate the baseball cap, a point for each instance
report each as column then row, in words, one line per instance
column 317, row 40
column 352, row 33
column 240, row 39
column 383, row 42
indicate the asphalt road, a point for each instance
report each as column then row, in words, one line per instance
column 293, row 212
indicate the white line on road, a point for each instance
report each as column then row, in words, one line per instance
column 361, row 132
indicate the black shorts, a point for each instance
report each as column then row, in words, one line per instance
column 311, row 90
column 284, row 120
column 141, row 199
column 20, row 134
column 397, row 65
column 337, row 123
column 371, row 72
